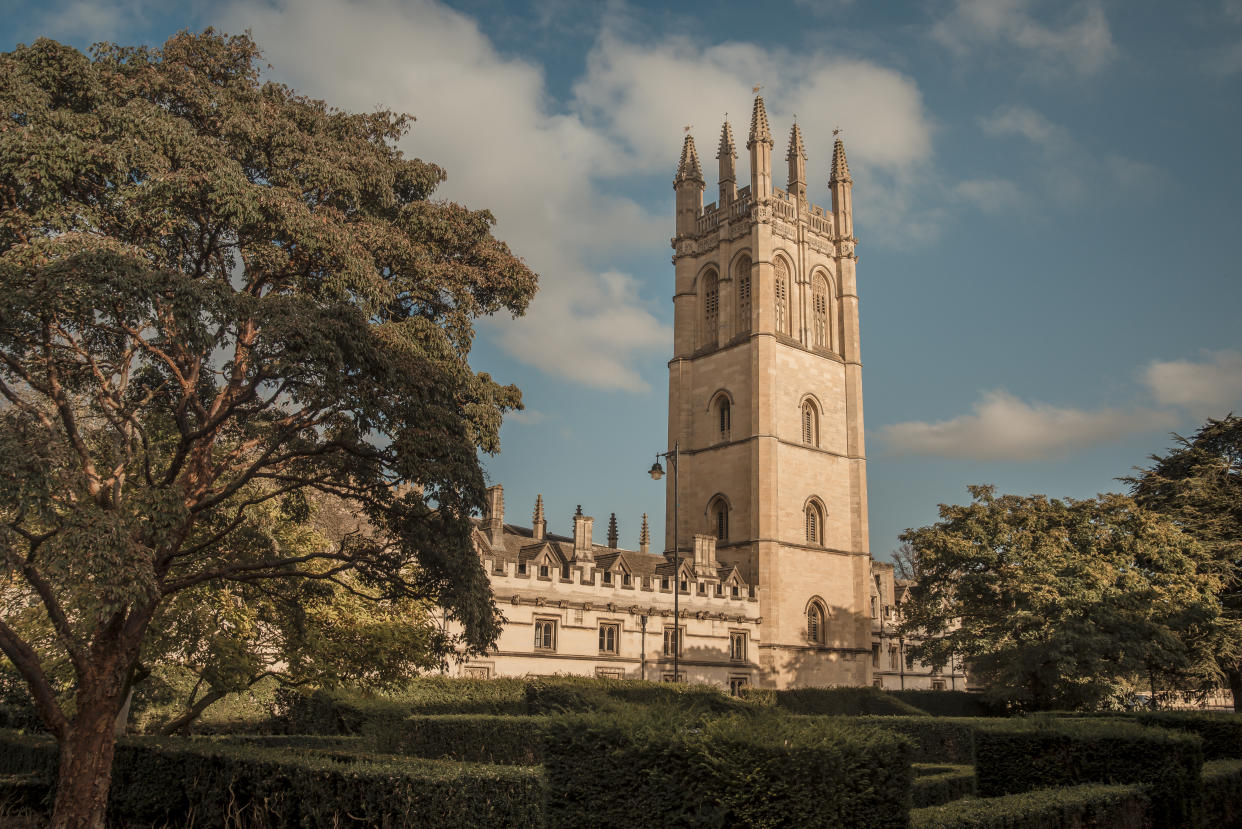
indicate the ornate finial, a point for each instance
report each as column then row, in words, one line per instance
column 686, row 128
column 796, row 148
column 578, row 511
column 726, row 148
column 836, row 131
column 840, row 167
column 612, row 531
column 644, row 536
column 755, row 89
column 759, row 131
column 689, row 168
column 538, row 508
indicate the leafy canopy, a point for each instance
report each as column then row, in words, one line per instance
column 218, row 295
column 1057, row 603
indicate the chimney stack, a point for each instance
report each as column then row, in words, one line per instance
column 584, row 525
column 539, row 525
column 496, row 514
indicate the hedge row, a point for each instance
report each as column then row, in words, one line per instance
column 207, row 782
column 847, row 701
column 663, row 768
column 1093, row 805
column 935, row 739
column 951, row 703
column 934, row 785
column 1021, row 755
column 1222, row 794
column 1221, row 733
column 478, row 738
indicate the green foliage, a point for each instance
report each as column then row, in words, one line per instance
column 662, row 767
column 1222, row 794
column 852, row 701
column 1057, row 604
column 349, row 710
column 475, row 738
column 1091, row 806
column 951, row 703
column 1198, row 484
column 1021, row 755
column 933, row 739
column 1221, row 733
column 583, row 694
column 936, row 785
column 299, row 784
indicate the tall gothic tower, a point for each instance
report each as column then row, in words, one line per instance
column 765, row 402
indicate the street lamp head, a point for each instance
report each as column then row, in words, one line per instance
column 656, row 472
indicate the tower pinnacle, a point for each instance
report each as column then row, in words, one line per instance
column 644, row 536
column 796, row 156
column 840, row 167
column 726, row 148
column 759, row 131
column 539, row 523
column 727, row 154
column 689, row 168
column 612, row 531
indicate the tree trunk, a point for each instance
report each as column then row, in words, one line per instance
column 192, row 713
column 85, row 773
column 1234, row 675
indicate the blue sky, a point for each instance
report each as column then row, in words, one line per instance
column 1046, row 195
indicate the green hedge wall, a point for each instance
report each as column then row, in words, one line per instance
column 1036, row 753
column 950, row 703
column 935, row 785
column 851, row 701
column 1094, row 805
column 208, row 781
column 479, row 738
column 570, row 694
column 935, row 739
column 1222, row 794
column 662, row 768
column 1221, row 733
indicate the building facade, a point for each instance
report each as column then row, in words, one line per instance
column 767, row 508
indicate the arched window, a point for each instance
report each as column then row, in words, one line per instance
column 810, row 424
column 711, row 308
column 814, row 523
column 718, row 513
column 726, row 416
column 782, row 296
column 815, row 627
column 742, row 276
column 819, row 311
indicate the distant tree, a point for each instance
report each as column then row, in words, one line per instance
column 1056, row 604
column 218, row 294
column 1198, row 484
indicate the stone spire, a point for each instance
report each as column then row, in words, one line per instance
column 759, row 131
column 689, row 168
column 612, row 531
column 727, row 155
column 840, row 167
column 796, row 156
column 539, row 523
column 644, row 537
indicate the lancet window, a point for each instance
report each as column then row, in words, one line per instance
column 782, row 296
column 819, row 310
column 742, row 277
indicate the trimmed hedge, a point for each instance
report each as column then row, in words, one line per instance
column 663, row 768
column 211, row 781
column 849, row 701
column 950, row 703
column 579, row 694
column 935, row 739
column 1093, row 805
column 1221, row 733
column 1021, row 755
column 1222, row 794
column 934, row 785
column 478, row 738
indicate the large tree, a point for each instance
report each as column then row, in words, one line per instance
column 1057, row 603
column 1198, row 483
column 218, row 293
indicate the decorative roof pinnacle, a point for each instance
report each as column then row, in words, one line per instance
column 759, row 131
column 644, row 537
column 796, row 148
column 538, row 508
column 726, row 149
column 689, row 169
column 612, row 530
column 840, row 167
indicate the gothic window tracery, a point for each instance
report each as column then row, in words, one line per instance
column 711, row 308
column 782, row 296
column 815, row 619
column 743, row 293
column 814, row 523
column 819, row 310
column 810, row 424
column 718, row 514
column 725, row 415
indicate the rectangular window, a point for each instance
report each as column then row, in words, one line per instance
column 543, row 571
column 521, row 568
column 476, row 672
column 609, row 636
column 735, row 591
column 672, row 640
column 878, row 683
column 610, row 673
column 737, row 645
column 545, row 634
column 893, row 661
column 937, row 684
column 607, row 577
column 625, row 579
column 875, row 656
column 664, row 582
column 737, row 683
column 565, row 572
column 875, row 612
column 668, row 677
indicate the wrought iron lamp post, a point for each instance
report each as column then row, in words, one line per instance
column 657, row 472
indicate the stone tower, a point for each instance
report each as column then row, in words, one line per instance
column 765, row 402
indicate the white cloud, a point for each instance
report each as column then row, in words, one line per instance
column 526, row 417
column 1025, row 122
column 1002, row 427
column 991, row 195
column 1212, row 387
column 487, row 120
column 1082, row 42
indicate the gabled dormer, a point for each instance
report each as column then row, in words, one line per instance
column 542, row 561
column 615, row 571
